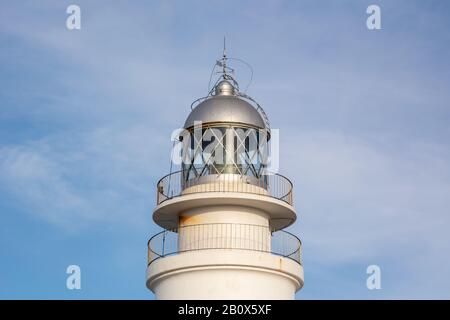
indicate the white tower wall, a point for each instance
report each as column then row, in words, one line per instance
column 225, row 274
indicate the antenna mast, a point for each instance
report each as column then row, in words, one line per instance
column 224, row 59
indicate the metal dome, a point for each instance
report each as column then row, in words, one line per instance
column 225, row 108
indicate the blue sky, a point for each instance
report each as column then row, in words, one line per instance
column 86, row 117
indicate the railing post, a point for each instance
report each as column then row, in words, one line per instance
column 163, row 243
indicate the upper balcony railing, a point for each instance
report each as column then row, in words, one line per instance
column 270, row 185
column 215, row 236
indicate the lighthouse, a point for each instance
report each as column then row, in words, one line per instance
column 223, row 210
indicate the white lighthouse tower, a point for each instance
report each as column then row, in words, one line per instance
column 224, row 213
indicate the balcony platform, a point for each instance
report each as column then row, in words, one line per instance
column 281, row 214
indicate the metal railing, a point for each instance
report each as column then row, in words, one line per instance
column 224, row 236
column 271, row 185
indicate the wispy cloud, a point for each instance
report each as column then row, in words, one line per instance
column 363, row 203
column 100, row 176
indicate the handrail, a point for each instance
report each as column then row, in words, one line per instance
column 272, row 185
column 224, row 236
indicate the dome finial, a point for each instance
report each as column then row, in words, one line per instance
column 224, row 88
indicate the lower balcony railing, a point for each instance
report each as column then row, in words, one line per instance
column 224, row 236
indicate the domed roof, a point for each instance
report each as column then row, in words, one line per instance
column 224, row 108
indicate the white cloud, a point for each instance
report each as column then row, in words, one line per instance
column 38, row 182
column 103, row 176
